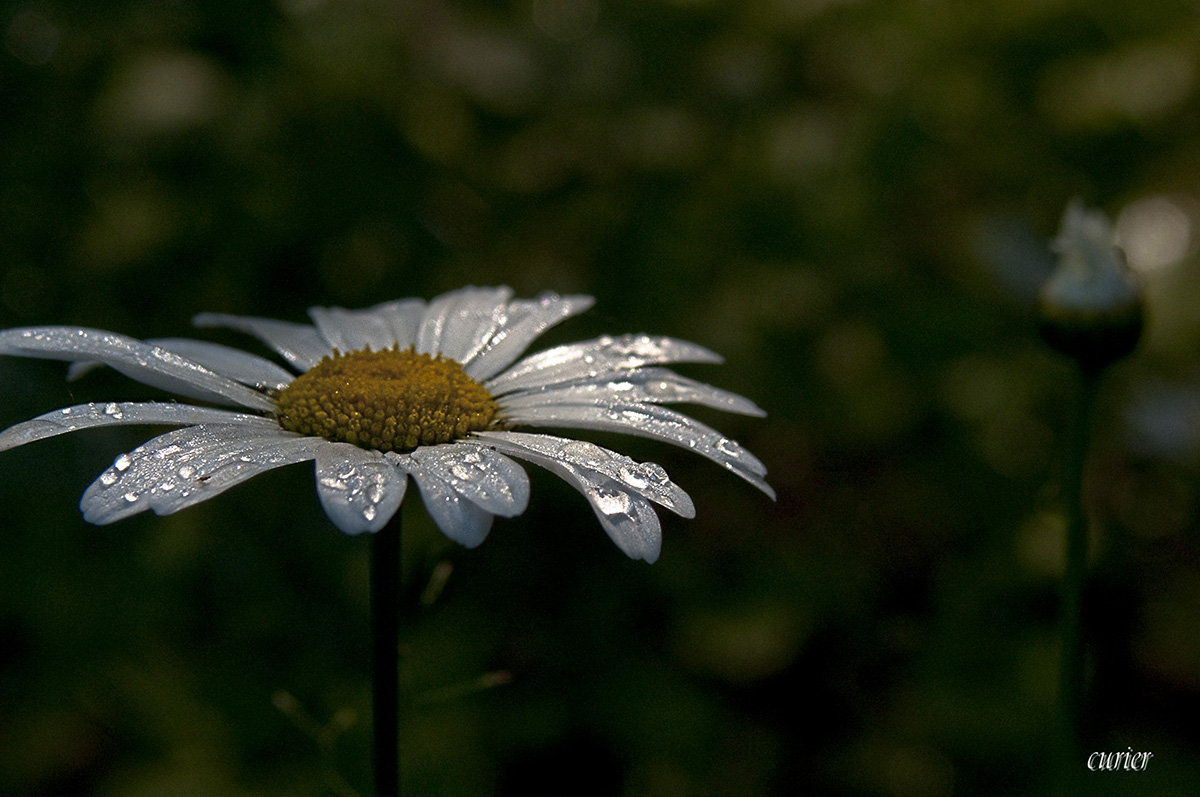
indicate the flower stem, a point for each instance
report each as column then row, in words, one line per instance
column 385, row 631
column 1072, row 671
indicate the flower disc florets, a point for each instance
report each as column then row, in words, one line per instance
column 390, row 400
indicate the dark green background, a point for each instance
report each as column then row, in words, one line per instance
column 849, row 200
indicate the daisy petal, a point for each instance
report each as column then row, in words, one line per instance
column 649, row 385
column 489, row 479
column 84, row 416
column 240, row 366
column 359, row 489
column 527, row 319
column 378, row 328
column 627, row 518
column 457, row 323
column 459, row 519
column 187, row 466
column 404, row 318
column 644, row 478
column 648, row 420
column 597, row 358
column 299, row 344
column 148, row 364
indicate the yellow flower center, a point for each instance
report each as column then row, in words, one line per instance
column 390, row 400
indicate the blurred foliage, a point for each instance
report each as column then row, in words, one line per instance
column 848, row 199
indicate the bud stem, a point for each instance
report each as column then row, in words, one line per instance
column 1072, row 670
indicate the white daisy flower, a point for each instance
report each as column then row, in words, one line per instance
column 432, row 390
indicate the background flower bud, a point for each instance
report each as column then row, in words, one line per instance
column 1090, row 308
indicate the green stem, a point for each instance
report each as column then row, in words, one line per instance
column 385, row 631
column 1072, row 673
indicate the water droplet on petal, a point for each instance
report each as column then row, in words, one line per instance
column 461, row 471
column 108, row 478
column 633, row 477
column 333, row 483
column 122, row 462
column 186, row 471
column 113, row 410
column 369, row 512
column 612, row 502
column 130, row 497
column 729, row 447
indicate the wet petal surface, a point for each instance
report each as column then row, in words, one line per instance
column 148, row 364
column 597, row 358
column 525, row 321
column 489, row 479
column 461, row 520
column 299, row 344
column 240, row 366
column 86, row 416
column 644, row 478
column 458, row 323
column 377, row 328
column 360, row 490
column 187, row 466
column 649, row 385
column 656, row 422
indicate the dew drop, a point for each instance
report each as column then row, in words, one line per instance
column 461, row 471
column 108, row 478
column 130, row 497
column 111, row 409
column 582, row 453
column 369, row 512
column 633, row 477
column 186, row 471
column 122, row 462
column 333, row 483
column 612, row 502
column 729, row 447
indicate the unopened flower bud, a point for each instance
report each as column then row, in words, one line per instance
column 1091, row 307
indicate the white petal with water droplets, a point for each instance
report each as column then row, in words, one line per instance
column 596, row 358
column 359, row 489
column 240, row 366
column 84, row 416
column 457, row 323
column 461, row 520
column 150, row 365
column 649, row 420
column 649, row 385
column 378, row 328
column 299, row 344
column 627, row 518
column 489, row 479
column 187, row 466
column 526, row 320
column 644, row 478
